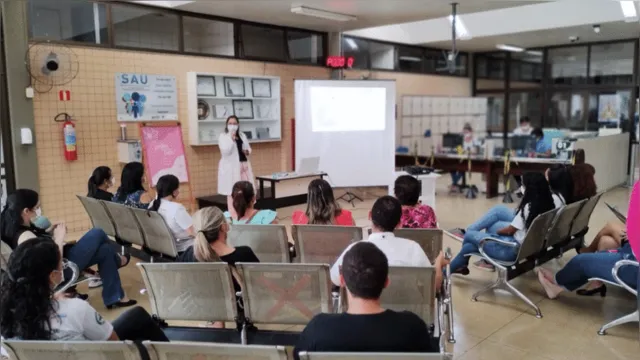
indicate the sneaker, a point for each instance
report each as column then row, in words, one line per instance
column 95, row 283
column 459, row 232
column 484, row 265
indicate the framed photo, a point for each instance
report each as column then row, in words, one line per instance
column 203, row 110
column 222, row 111
column 206, row 85
column 261, row 88
column 233, row 87
column 243, row 109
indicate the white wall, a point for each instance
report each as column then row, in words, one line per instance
column 609, row 156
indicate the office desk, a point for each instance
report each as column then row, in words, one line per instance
column 492, row 168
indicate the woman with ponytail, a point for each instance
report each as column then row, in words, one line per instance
column 173, row 213
column 243, row 201
column 99, row 182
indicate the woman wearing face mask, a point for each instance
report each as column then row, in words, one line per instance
column 99, row 182
column 469, row 142
column 29, row 309
column 234, row 163
column 92, row 248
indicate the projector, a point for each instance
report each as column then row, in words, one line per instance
column 418, row 170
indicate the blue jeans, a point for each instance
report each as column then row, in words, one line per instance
column 498, row 214
column 471, row 244
column 583, row 267
column 456, row 176
column 94, row 249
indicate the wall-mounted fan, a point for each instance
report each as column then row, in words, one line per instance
column 450, row 57
column 51, row 65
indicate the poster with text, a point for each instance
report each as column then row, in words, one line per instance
column 608, row 109
column 164, row 152
column 143, row 97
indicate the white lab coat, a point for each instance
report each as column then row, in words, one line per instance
column 229, row 166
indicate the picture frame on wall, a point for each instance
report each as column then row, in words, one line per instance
column 206, row 85
column 261, row 88
column 233, row 87
column 243, row 109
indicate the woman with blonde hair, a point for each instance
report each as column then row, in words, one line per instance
column 322, row 207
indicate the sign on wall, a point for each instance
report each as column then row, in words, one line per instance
column 143, row 97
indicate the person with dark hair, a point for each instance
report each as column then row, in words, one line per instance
column 244, row 199
column 536, row 200
column 542, row 147
column 99, row 182
column 131, row 191
column 385, row 217
column 524, row 128
column 366, row 326
column 414, row 214
column 30, row 310
column 234, row 163
column 322, row 207
column 92, row 248
column 584, row 182
column 174, row 214
column 561, row 185
column 469, row 143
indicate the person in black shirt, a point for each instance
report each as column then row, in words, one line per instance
column 99, row 182
column 366, row 326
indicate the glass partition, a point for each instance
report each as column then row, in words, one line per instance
column 568, row 65
column 525, row 104
column 612, row 64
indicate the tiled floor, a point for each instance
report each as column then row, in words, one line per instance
column 499, row 326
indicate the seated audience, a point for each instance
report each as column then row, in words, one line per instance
column 584, row 182
column 561, row 185
column 174, row 214
column 99, row 182
column 29, row 309
column 611, row 236
column 385, row 217
column 577, row 272
column 537, row 200
column 92, row 248
column 366, row 326
column 542, row 147
column 322, row 207
column 414, row 214
column 131, row 191
column 469, row 141
column 244, row 200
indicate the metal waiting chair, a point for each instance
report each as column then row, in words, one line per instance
column 634, row 316
column 304, row 355
column 127, row 228
column 269, row 242
column 289, row 294
column 322, row 244
column 533, row 243
column 430, row 240
column 560, row 231
column 190, row 291
column 580, row 225
column 98, row 215
column 211, row 351
column 71, row 350
column 159, row 239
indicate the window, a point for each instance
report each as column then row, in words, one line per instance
column 261, row 42
column 612, row 64
column 382, row 56
column 436, row 63
column 204, row 36
column 526, row 66
column 410, row 59
column 358, row 49
column 568, row 65
column 495, row 114
column 145, row 28
column 525, row 104
column 68, row 20
column 305, row 47
column 490, row 66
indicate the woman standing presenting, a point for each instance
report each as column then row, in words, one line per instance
column 234, row 163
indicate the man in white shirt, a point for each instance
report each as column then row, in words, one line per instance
column 385, row 217
column 524, row 128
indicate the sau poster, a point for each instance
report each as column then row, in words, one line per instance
column 143, row 97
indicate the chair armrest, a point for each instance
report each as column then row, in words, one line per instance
column 75, row 274
column 492, row 239
column 615, row 270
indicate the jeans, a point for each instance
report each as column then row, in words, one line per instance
column 136, row 324
column 471, row 244
column 498, row 214
column 94, row 248
column 456, row 176
column 583, row 267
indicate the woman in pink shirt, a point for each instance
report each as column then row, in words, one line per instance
column 414, row 214
column 322, row 207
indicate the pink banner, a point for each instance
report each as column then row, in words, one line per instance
column 633, row 228
column 164, row 152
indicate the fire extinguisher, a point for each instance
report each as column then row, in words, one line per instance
column 69, row 136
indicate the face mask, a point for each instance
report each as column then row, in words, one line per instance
column 522, row 190
column 233, row 128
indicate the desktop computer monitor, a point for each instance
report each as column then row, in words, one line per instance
column 451, row 141
column 522, row 144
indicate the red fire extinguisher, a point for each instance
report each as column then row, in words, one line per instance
column 69, row 136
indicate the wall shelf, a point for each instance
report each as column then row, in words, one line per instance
column 264, row 115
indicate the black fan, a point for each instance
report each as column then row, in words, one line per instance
column 51, row 65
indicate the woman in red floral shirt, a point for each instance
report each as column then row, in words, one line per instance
column 414, row 214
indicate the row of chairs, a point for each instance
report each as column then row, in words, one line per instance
column 83, row 350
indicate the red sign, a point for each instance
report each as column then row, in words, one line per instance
column 340, row 62
column 64, row 95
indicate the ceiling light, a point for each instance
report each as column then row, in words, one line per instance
column 534, row 52
column 509, row 48
column 323, row 14
column 410, row 58
column 596, row 29
column 352, row 43
column 629, row 11
column 461, row 30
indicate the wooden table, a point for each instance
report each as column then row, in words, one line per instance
column 285, row 189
